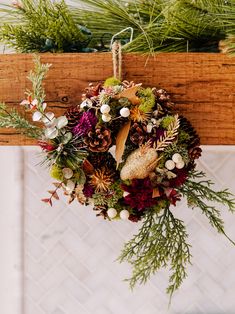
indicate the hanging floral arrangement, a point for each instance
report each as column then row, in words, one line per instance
column 125, row 151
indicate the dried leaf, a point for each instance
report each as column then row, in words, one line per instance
column 56, row 196
column 169, row 135
column 51, row 192
column 50, row 202
column 156, row 193
column 121, row 141
column 57, row 185
column 130, row 94
column 45, row 200
column 88, row 167
column 71, row 199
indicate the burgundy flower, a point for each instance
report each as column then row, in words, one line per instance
column 182, row 175
column 134, row 218
column 140, row 194
column 88, row 190
column 87, row 121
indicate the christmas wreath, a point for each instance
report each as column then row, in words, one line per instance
column 125, row 151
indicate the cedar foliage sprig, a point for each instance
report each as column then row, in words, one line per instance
column 10, row 118
column 200, row 194
column 36, row 77
column 160, row 242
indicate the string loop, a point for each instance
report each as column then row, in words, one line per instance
column 117, row 59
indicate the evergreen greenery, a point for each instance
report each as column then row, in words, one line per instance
column 42, row 25
column 10, row 118
column 160, row 242
column 159, row 25
column 199, row 194
column 36, row 77
column 169, row 25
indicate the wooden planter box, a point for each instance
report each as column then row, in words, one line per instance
column 202, row 86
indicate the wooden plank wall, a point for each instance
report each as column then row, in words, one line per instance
column 202, row 86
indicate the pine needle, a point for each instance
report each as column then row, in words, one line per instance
column 10, row 118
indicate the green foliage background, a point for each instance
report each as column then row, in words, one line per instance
column 85, row 25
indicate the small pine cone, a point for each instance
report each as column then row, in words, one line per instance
column 163, row 99
column 73, row 115
column 195, row 153
column 98, row 140
column 186, row 126
column 138, row 133
column 102, row 159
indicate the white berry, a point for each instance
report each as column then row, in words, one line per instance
column 83, row 104
column 112, row 213
column 177, row 158
column 124, row 214
column 70, row 186
column 67, row 173
column 106, row 117
column 104, row 109
column 180, row 165
column 170, row 165
column 125, row 112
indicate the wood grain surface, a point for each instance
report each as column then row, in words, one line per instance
column 202, row 86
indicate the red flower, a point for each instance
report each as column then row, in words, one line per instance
column 172, row 195
column 46, row 146
column 140, row 194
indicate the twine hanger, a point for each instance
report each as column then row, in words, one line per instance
column 116, row 48
column 117, row 59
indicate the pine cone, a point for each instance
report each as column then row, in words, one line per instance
column 73, row 115
column 138, row 133
column 186, row 126
column 98, row 140
column 163, row 100
column 102, row 159
column 195, row 153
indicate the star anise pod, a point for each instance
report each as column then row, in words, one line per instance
column 102, row 179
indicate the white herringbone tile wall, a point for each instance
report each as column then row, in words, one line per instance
column 70, row 254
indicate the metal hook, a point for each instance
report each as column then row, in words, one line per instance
column 122, row 31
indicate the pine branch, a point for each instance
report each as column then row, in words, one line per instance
column 199, row 194
column 41, row 26
column 161, row 242
column 12, row 119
